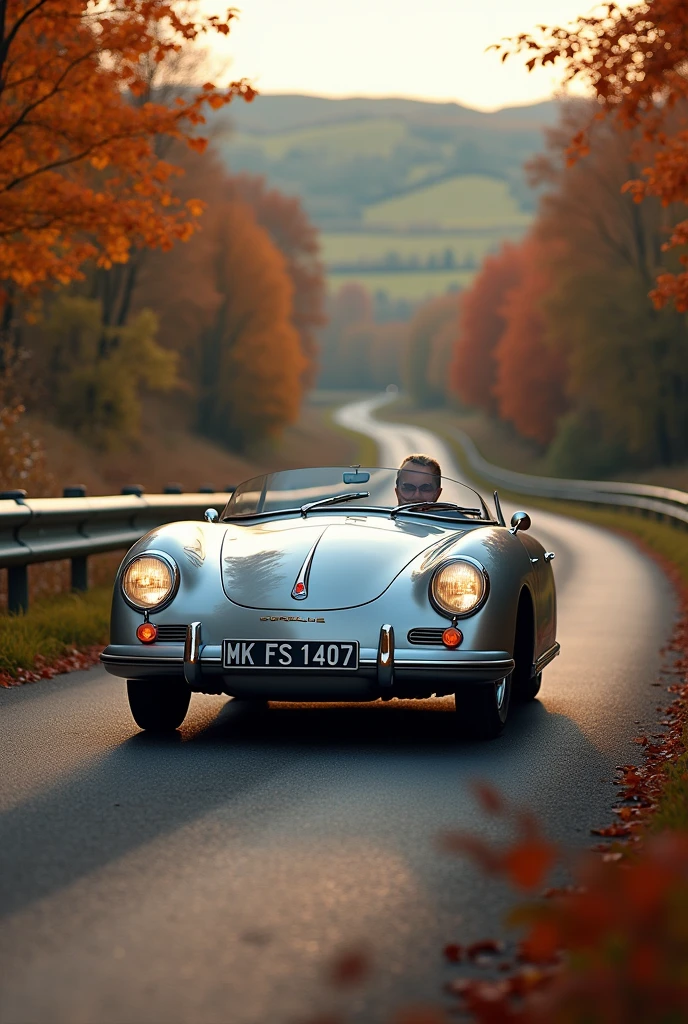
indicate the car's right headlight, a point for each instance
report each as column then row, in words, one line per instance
column 459, row 587
column 150, row 581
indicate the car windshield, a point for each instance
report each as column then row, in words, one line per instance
column 293, row 489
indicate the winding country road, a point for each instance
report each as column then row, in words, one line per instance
column 211, row 877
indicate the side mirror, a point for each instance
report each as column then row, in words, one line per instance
column 519, row 521
column 211, row 515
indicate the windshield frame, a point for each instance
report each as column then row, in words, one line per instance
column 445, row 515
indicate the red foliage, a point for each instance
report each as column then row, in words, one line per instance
column 74, row 661
column 297, row 238
column 481, row 325
column 530, row 368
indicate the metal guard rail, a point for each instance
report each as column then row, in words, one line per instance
column 49, row 529
column 661, row 502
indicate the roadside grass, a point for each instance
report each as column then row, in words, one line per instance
column 671, row 812
column 54, row 627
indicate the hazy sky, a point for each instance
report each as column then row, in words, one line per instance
column 431, row 49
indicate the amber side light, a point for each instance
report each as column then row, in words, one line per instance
column 147, row 632
column 452, row 637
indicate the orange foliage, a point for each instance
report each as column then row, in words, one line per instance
column 79, row 175
column 252, row 365
column 225, row 303
column 610, row 949
column 430, row 346
column 530, row 370
column 481, row 324
column 287, row 223
column 634, row 59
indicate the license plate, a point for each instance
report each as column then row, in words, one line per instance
column 290, row 654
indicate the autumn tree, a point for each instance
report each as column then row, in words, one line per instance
column 23, row 462
column 79, row 176
column 627, row 366
column 94, row 374
column 530, row 366
column 634, row 60
column 251, row 363
column 441, row 354
column 388, row 353
column 344, row 350
column 297, row 238
column 428, row 353
column 224, row 299
column 481, row 325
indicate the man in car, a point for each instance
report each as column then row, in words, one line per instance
column 419, row 479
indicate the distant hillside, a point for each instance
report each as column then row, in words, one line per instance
column 364, row 167
column 285, row 112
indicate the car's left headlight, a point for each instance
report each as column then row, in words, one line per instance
column 150, row 581
column 459, row 587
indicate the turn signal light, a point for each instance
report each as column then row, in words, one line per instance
column 147, row 632
column 452, row 637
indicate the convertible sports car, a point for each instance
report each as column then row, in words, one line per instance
column 331, row 584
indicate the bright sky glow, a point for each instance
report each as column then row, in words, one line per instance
column 430, row 50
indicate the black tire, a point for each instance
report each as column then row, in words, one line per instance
column 528, row 689
column 482, row 710
column 158, row 705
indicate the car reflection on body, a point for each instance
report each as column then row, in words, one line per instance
column 316, row 585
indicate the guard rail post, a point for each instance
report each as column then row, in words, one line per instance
column 79, row 564
column 17, row 575
column 18, row 589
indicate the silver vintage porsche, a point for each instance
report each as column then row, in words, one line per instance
column 331, row 584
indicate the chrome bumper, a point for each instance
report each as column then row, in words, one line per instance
column 386, row 672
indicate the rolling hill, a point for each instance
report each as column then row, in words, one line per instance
column 409, row 195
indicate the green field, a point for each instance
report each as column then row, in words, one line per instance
column 358, row 167
column 412, row 181
column 330, row 143
column 349, row 247
column 410, row 286
column 466, row 201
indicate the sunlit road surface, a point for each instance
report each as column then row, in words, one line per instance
column 211, row 877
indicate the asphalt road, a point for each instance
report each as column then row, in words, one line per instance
column 211, row 877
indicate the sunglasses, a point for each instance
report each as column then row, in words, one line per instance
column 407, row 489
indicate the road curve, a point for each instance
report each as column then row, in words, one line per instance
column 209, row 878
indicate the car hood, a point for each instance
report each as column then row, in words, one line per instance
column 354, row 561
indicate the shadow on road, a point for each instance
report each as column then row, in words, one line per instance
column 148, row 787
column 397, row 725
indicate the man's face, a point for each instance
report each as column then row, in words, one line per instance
column 416, row 483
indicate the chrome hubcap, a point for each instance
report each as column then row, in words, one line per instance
column 500, row 692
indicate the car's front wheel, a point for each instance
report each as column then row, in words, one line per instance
column 482, row 710
column 158, row 705
column 528, row 689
